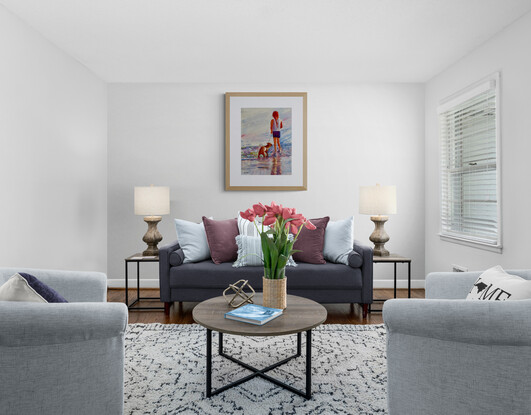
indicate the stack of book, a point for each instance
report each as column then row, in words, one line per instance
column 254, row 314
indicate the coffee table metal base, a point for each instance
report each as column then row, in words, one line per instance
column 260, row 372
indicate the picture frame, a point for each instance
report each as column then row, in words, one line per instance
column 265, row 141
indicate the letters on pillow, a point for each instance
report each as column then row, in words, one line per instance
column 497, row 285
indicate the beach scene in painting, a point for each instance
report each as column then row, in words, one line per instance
column 266, row 141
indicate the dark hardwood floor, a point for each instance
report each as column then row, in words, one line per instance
column 337, row 313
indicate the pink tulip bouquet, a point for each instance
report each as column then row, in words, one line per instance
column 276, row 245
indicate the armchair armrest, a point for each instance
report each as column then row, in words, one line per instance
column 366, row 270
column 74, row 286
column 37, row 324
column 489, row 323
column 62, row 358
column 164, row 269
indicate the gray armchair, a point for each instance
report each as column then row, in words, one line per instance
column 447, row 355
column 65, row 358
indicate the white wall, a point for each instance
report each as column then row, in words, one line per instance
column 53, row 155
column 509, row 53
column 173, row 135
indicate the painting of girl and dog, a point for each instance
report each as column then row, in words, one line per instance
column 266, row 141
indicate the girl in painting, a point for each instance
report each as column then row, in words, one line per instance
column 276, row 126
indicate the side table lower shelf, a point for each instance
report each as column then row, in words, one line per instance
column 138, row 258
column 393, row 259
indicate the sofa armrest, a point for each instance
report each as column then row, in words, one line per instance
column 164, row 269
column 463, row 321
column 37, row 324
column 366, row 270
column 74, row 286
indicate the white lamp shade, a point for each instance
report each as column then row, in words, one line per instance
column 152, row 200
column 377, row 200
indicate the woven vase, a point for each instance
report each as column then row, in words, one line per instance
column 275, row 293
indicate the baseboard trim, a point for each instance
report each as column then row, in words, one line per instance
column 152, row 283
column 401, row 283
column 144, row 283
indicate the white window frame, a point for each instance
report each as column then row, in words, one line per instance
column 490, row 82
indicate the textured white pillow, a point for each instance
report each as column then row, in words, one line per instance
column 496, row 285
column 248, row 228
column 250, row 252
column 17, row 288
column 192, row 240
column 339, row 240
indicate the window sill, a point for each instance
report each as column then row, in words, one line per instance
column 486, row 247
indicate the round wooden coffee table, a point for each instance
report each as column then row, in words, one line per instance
column 301, row 315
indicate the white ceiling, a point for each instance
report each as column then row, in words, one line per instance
column 268, row 40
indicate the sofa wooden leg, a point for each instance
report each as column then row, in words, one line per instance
column 365, row 310
column 167, row 308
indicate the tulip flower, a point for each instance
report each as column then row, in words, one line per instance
column 259, row 209
column 276, row 245
column 248, row 214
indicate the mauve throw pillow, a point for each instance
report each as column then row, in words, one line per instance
column 221, row 237
column 311, row 243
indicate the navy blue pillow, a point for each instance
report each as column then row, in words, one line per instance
column 48, row 293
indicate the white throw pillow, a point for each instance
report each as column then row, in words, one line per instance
column 248, row 228
column 250, row 252
column 339, row 240
column 192, row 240
column 496, row 285
column 17, row 288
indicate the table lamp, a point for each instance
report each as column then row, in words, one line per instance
column 378, row 201
column 152, row 202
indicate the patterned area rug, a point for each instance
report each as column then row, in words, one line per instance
column 165, row 372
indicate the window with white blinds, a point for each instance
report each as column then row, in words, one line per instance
column 470, row 186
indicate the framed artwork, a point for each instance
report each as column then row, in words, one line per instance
column 265, row 141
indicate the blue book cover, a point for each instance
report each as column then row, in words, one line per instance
column 254, row 314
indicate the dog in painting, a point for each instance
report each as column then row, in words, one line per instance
column 264, row 150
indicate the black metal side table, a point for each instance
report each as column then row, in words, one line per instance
column 138, row 258
column 394, row 259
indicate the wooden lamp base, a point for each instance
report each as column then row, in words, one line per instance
column 152, row 236
column 379, row 236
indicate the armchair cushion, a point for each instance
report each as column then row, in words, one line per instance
column 25, row 287
column 497, row 285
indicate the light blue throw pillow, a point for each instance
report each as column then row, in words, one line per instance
column 250, row 252
column 339, row 240
column 193, row 241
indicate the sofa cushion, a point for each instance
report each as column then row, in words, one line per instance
column 206, row 274
column 311, row 243
column 193, row 241
column 339, row 240
column 221, row 235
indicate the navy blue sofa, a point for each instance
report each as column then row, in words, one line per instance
column 324, row 283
